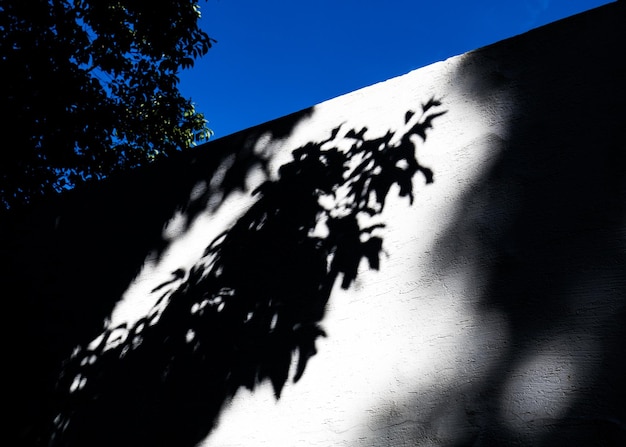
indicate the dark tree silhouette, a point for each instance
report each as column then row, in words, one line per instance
column 90, row 88
column 251, row 306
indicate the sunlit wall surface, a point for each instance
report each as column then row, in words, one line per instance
column 438, row 259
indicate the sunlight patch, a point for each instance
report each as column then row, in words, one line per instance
column 541, row 388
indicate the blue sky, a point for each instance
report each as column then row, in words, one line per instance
column 276, row 57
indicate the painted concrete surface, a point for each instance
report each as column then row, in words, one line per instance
column 497, row 315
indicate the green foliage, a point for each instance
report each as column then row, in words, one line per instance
column 90, row 88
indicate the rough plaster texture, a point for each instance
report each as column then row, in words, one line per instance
column 497, row 316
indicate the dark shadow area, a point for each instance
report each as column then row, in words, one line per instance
column 65, row 261
column 545, row 226
column 242, row 315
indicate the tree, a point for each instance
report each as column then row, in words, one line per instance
column 91, row 88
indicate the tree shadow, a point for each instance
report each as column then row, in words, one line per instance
column 543, row 228
column 65, row 260
column 250, row 310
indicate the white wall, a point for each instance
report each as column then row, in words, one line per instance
column 436, row 349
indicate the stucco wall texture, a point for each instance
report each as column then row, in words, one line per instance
column 497, row 316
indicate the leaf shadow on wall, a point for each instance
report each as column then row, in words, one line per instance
column 252, row 306
column 66, row 260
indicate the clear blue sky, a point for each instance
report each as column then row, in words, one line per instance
column 275, row 57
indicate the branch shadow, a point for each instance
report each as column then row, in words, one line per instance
column 250, row 310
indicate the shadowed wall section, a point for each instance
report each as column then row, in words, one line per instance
column 436, row 260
